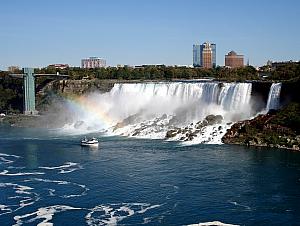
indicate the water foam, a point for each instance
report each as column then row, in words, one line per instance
column 240, row 205
column 52, row 192
column 7, row 155
column 6, row 173
column 213, row 223
column 44, row 214
column 24, row 196
column 7, row 159
column 67, row 167
column 112, row 214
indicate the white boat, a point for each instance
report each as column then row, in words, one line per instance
column 92, row 142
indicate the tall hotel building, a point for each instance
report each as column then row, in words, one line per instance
column 233, row 60
column 93, row 62
column 197, row 55
column 204, row 55
column 207, row 56
column 213, row 47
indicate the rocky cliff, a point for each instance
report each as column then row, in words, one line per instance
column 279, row 129
column 77, row 87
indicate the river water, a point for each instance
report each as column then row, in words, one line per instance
column 49, row 178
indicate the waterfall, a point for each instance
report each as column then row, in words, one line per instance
column 274, row 96
column 197, row 98
column 235, row 96
column 149, row 110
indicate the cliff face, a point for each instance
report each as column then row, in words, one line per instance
column 259, row 95
column 276, row 129
column 77, row 87
column 290, row 92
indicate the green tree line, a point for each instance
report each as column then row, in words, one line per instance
column 11, row 94
column 156, row 73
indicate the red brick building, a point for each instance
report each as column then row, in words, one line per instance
column 233, row 60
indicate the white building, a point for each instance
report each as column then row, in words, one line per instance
column 93, row 62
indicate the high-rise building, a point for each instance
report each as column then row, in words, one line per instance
column 93, row 62
column 233, row 60
column 196, row 55
column 207, row 56
column 214, row 54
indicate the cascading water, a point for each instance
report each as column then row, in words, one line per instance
column 149, row 110
column 274, row 96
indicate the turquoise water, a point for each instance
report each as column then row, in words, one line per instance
column 49, row 177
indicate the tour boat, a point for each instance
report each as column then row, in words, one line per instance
column 92, row 142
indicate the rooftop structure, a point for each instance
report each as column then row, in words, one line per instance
column 59, row 66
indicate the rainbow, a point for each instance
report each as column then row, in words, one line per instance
column 85, row 104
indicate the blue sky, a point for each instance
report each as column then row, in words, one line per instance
column 36, row 33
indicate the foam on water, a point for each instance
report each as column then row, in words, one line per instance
column 5, row 209
column 212, row 223
column 23, row 196
column 6, row 173
column 67, row 167
column 5, row 161
column 240, row 205
column 24, row 193
column 112, row 214
column 7, row 155
column 81, row 189
column 8, row 159
column 43, row 215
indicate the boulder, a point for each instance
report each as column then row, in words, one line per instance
column 171, row 133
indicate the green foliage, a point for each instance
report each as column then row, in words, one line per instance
column 160, row 72
column 289, row 117
column 277, row 129
column 285, row 71
column 11, row 94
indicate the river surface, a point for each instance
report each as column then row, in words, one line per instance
column 46, row 177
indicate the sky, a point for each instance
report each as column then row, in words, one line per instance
column 35, row 33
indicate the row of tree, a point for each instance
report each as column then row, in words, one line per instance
column 282, row 70
column 279, row 71
column 276, row 71
column 156, row 73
